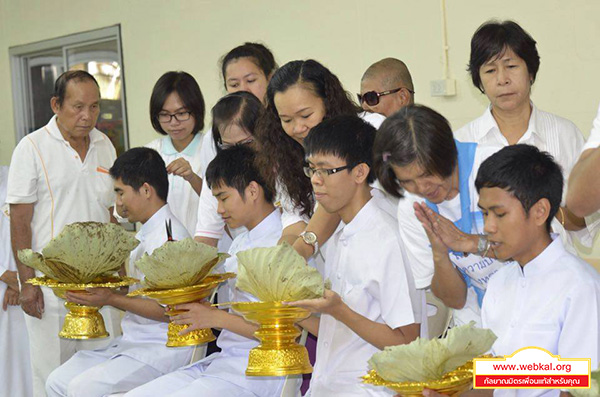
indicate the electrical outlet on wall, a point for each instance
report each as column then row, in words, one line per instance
column 445, row 87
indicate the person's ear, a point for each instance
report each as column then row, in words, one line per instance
column 540, row 211
column 54, row 104
column 405, row 96
column 252, row 191
column 361, row 172
column 146, row 190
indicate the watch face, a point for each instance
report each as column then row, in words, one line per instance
column 310, row 238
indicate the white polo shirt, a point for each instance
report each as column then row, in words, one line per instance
column 550, row 133
column 553, row 302
column 366, row 264
column 47, row 172
column 182, row 197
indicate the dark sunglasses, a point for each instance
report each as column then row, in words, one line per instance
column 372, row 97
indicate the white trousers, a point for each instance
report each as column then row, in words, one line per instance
column 189, row 382
column 47, row 350
column 95, row 373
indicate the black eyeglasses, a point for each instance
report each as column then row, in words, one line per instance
column 179, row 116
column 323, row 172
column 224, row 146
column 372, row 97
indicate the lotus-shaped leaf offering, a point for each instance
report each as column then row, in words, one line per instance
column 277, row 274
column 82, row 252
column 180, row 272
column 178, row 264
column 440, row 364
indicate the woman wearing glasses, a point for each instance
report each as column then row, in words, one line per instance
column 177, row 111
column 503, row 65
column 234, row 119
column 300, row 95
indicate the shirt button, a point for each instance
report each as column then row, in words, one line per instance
column 513, row 324
column 326, row 344
column 339, row 276
column 523, row 284
column 344, row 243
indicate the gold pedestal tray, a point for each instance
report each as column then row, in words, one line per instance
column 177, row 296
column 454, row 382
column 82, row 322
column 278, row 353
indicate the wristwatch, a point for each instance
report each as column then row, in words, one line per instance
column 483, row 245
column 310, row 238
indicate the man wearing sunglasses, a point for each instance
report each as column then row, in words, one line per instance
column 386, row 87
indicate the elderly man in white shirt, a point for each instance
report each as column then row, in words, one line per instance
column 141, row 354
column 58, row 175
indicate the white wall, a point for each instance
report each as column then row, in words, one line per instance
column 347, row 36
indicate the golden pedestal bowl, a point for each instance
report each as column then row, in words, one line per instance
column 177, row 296
column 278, row 353
column 452, row 383
column 82, row 322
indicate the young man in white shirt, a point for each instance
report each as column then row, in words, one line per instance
column 140, row 355
column 547, row 297
column 244, row 200
column 372, row 301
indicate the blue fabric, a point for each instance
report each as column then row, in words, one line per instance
column 466, row 159
column 168, row 148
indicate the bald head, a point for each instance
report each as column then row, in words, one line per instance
column 384, row 75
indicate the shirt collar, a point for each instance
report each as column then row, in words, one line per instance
column 266, row 226
column 542, row 262
column 169, row 150
column 54, row 131
column 360, row 220
column 489, row 124
column 156, row 221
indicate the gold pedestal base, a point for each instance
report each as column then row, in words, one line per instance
column 278, row 353
column 177, row 296
column 197, row 337
column 83, row 322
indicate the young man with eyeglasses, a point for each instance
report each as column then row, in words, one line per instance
column 372, row 302
column 386, row 87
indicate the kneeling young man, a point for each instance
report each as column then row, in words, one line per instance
column 244, row 199
column 140, row 355
column 547, row 297
column 372, row 302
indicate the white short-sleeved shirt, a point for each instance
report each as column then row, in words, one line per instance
column 418, row 249
column 48, row 173
column 553, row 302
column 230, row 364
column 550, row 133
column 593, row 140
column 182, row 198
column 368, row 269
column 145, row 339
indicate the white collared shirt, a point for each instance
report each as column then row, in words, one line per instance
column 366, row 265
column 593, row 140
column 230, row 364
column 182, row 198
column 550, row 133
column 48, row 173
column 553, row 302
column 152, row 235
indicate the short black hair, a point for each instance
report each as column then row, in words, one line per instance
column 240, row 108
column 493, row 38
column 415, row 134
column 60, row 85
column 258, row 53
column 142, row 165
column 235, row 167
column 189, row 92
column 348, row 137
column 527, row 173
